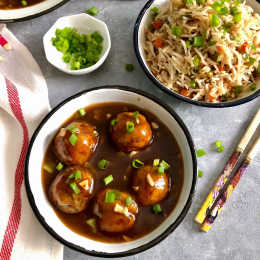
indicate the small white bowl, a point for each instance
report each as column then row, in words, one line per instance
column 85, row 24
column 47, row 130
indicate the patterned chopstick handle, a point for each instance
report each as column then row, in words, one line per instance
column 224, row 197
column 4, row 43
column 212, row 196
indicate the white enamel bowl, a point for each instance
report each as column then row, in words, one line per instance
column 30, row 12
column 143, row 21
column 46, row 131
column 85, row 24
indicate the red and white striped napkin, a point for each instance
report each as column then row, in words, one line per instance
column 23, row 103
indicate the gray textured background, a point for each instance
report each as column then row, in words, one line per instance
column 236, row 233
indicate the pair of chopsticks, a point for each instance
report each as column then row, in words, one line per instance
column 217, row 197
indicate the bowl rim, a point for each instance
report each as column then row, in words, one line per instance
column 25, row 18
column 143, row 247
column 164, row 88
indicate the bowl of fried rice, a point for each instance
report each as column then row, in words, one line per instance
column 205, row 52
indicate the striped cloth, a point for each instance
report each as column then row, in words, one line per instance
column 23, row 103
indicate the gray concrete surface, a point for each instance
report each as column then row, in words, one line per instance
column 236, row 233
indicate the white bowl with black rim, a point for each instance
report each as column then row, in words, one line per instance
column 45, row 133
column 29, row 12
column 143, row 21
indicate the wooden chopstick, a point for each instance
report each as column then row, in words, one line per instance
column 4, row 43
column 223, row 178
column 222, row 199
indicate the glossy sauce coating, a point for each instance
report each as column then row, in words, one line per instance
column 14, row 4
column 163, row 146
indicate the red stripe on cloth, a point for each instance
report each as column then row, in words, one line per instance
column 15, row 216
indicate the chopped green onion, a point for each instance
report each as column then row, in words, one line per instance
column 233, row 10
column 238, row 90
column 218, row 143
column 47, row 168
column 187, row 43
column 161, row 170
column 193, row 83
column 211, row 43
column 219, row 58
column 220, row 149
column 59, row 166
column 165, row 165
column 92, row 223
column 73, row 129
column 157, row 208
column 196, row 61
column 136, row 114
column 75, row 187
column 223, row 11
column 82, row 112
column 113, row 122
column 237, row 17
column 130, row 127
column 200, row 173
column 201, row 2
column 252, row 87
column 253, row 47
column 155, row 10
column 110, row 197
column 200, row 152
column 129, row 67
column 73, row 139
column 137, row 164
column 24, row 2
column 78, row 175
column 217, row 6
column 237, row 39
column 188, row 2
column 93, row 11
column 252, row 61
column 198, row 41
column 108, row 179
column 128, row 201
column 258, row 69
column 214, row 20
column 176, row 30
column 102, row 164
column 156, row 162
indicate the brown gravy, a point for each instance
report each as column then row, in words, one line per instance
column 15, row 4
column 164, row 146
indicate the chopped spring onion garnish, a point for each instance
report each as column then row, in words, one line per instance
column 238, row 90
column 196, row 61
column 136, row 114
column 237, row 17
column 59, row 166
column 187, row 43
column 157, row 208
column 200, row 152
column 200, row 173
column 108, row 179
column 110, row 197
column 198, row 41
column 233, row 10
column 219, row 146
column 113, row 122
column 24, row 2
column 217, row 6
column 211, row 43
column 130, row 127
column 129, row 67
column 252, row 87
column 47, row 168
column 128, row 201
column 201, row 2
column 223, row 11
column 137, row 164
column 176, row 30
column 188, row 2
column 78, row 175
column 92, row 223
column 73, row 129
column 102, row 164
column 93, row 11
column 155, row 10
column 252, row 61
column 253, row 47
column 75, row 187
column 214, row 20
column 193, row 83
column 156, row 162
column 165, row 165
column 82, row 112
column 73, row 139
column 161, row 170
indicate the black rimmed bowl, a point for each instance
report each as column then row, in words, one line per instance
column 144, row 19
column 26, row 13
column 46, row 131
